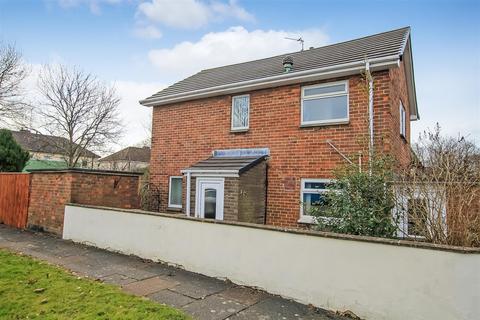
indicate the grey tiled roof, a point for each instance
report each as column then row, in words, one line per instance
column 238, row 164
column 35, row 142
column 130, row 154
column 382, row 45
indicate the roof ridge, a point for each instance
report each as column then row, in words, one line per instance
column 314, row 49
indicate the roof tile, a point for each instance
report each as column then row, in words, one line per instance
column 380, row 45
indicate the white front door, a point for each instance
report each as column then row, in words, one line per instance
column 209, row 198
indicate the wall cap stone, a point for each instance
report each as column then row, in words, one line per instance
column 87, row 171
column 386, row 241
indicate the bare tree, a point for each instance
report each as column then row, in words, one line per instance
column 12, row 73
column 147, row 128
column 80, row 108
column 440, row 191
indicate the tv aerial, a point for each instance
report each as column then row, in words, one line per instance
column 300, row 39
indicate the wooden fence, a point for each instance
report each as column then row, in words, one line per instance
column 14, row 197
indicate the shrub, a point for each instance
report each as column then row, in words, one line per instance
column 359, row 202
column 12, row 157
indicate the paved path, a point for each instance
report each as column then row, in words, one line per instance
column 200, row 296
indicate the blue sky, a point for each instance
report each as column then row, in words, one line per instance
column 142, row 46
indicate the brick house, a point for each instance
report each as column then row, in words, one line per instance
column 127, row 159
column 257, row 141
column 48, row 152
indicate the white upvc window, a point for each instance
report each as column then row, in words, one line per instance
column 175, row 192
column 326, row 103
column 312, row 195
column 240, row 112
column 403, row 121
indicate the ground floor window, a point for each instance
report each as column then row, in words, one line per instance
column 418, row 210
column 417, row 213
column 175, row 192
column 312, row 198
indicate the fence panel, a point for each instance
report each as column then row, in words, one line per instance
column 14, row 197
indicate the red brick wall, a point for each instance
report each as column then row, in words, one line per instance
column 50, row 191
column 106, row 190
column 185, row 133
column 400, row 146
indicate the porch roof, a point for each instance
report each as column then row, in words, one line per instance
column 235, row 165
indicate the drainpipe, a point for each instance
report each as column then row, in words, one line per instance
column 370, row 113
column 360, row 162
column 187, row 196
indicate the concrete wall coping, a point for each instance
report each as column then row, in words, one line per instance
column 87, row 171
column 314, row 233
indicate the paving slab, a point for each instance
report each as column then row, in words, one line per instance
column 214, row 307
column 87, row 267
column 118, row 279
column 197, row 286
column 133, row 272
column 149, row 286
column 160, row 268
column 170, row 298
column 277, row 308
column 244, row 295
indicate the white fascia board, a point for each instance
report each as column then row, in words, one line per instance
column 211, row 173
column 214, row 174
column 280, row 80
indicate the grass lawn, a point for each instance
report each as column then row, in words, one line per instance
column 31, row 289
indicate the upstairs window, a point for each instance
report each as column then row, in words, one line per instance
column 240, row 112
column 175, row 192
column 325, row 104
column 403, row 121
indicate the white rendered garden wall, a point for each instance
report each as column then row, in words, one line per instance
column 375, row 280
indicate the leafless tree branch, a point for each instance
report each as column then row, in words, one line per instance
column 445, row 181
column 80, row 108
column 12, row 73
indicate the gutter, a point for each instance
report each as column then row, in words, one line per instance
column 283, row 79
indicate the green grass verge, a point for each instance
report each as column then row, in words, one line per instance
column 31, row 289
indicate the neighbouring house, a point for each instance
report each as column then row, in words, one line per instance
column 128, row 159
column 258, row 141
column 48, row 152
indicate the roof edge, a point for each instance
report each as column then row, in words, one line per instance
column 410, row 75
column 284, row 79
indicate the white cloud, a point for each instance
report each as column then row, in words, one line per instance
column 190, row 14
column 93, row 5
column 147, row 32
column 233, row 45
column 135, row 117
column 231, row 10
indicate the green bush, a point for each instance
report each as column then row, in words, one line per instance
column 359, row 202
column 12, row 157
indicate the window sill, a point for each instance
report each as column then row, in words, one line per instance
column 414, row 237
column 324, row 124
column 313, row 220
column 306, row 220
column 238, row 130
column 174, row 209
